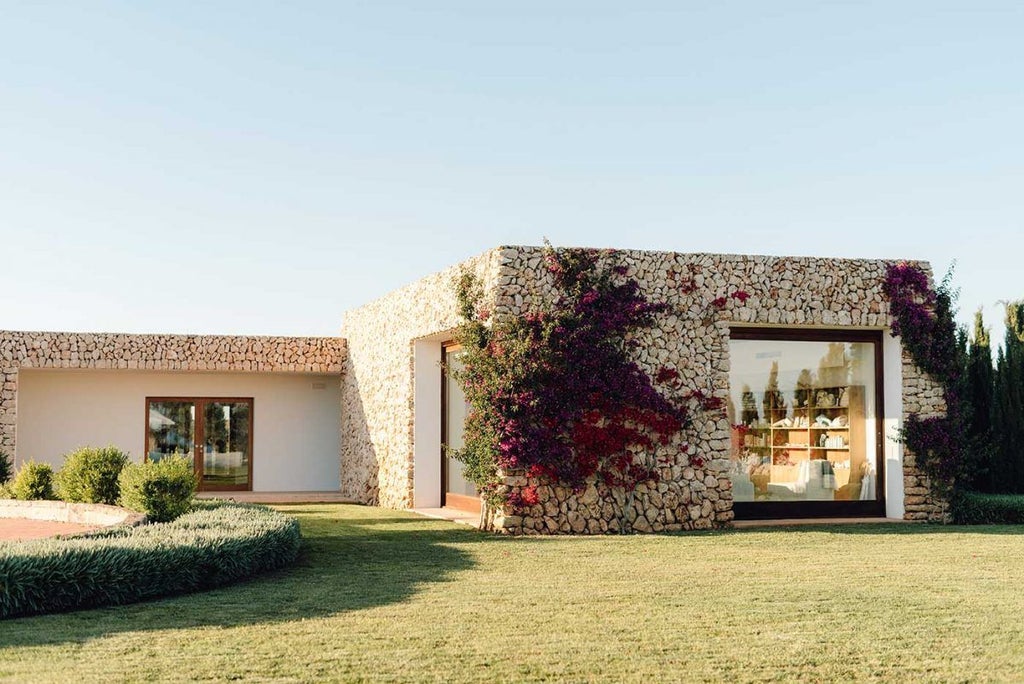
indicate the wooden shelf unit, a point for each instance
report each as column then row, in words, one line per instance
column 784, row 447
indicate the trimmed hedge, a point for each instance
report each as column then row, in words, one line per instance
column 33, row 481
column 162, row 489
column 972, row 508
column 89, row 475
column 218, row 543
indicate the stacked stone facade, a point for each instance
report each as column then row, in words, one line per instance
column 692, row 493
column 377, row 350
column 377, row 395
column 157, row 353
column 922, row 396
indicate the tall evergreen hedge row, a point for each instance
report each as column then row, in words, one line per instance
column 972, row 508
column 996, row 394
column 213, row 545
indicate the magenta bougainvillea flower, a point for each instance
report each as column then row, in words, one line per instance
column 923, row 319
column 555, row 392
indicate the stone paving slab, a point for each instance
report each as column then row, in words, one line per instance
column 279, row 497
column 450, row 514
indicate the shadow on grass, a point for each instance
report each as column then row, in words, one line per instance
column 346, row 564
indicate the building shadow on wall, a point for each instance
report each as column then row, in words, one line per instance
column 346, row 564
column 359, row 459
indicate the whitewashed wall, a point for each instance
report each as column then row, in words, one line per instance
column 427, row 421
column 296, row 430
column 892, row 354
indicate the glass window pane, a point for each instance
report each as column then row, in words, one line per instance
column 171, row 429
column 804, row 419
column 455, row 421
column 226, row 428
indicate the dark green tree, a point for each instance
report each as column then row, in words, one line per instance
column 216, row 426
column 239, row 429
column 950, row 358
column 980, row 384
column 1008, row 405
column 6, row 467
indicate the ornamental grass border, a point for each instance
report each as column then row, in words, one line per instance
column 215, row 544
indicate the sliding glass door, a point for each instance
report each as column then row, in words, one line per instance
column 216, row 433
column 456, row 490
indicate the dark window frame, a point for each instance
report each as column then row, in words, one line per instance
column 768, row 510
column 199, row 427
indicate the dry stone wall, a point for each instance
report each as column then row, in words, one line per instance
column 249, row 354
column 693, row 491
column 377, row 395
column 921, row 396
column 377, row 464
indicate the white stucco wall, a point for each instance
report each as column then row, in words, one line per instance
column 427, row 421
column 892, row 366
column 296, row 430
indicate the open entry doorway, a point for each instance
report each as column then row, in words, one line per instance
column 456, row 490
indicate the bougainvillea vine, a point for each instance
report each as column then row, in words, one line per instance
column 555, row 394
column 923, row 318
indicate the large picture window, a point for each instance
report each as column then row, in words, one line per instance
column 806, row 415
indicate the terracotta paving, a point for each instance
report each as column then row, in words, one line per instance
column 20, row 529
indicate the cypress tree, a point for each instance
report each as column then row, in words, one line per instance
column 998, row 482
column 980, row 380
column 1008, row 404
column 947, row 360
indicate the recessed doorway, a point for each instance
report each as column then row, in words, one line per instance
column 456, row 490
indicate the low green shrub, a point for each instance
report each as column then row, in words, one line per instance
column 162, row 489
column 33, row 481
column 972, row 508
column 89, row 475
column 6, row 467
column 215, row 544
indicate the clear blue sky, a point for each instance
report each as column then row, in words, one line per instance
column 261, row 168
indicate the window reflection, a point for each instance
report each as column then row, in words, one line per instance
column 226, row 444
column 215, row 434
column 171, row 428
column 803, row 416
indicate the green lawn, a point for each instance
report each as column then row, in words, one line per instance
column 380, row 595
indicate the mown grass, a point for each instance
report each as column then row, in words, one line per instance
column 388, row 596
